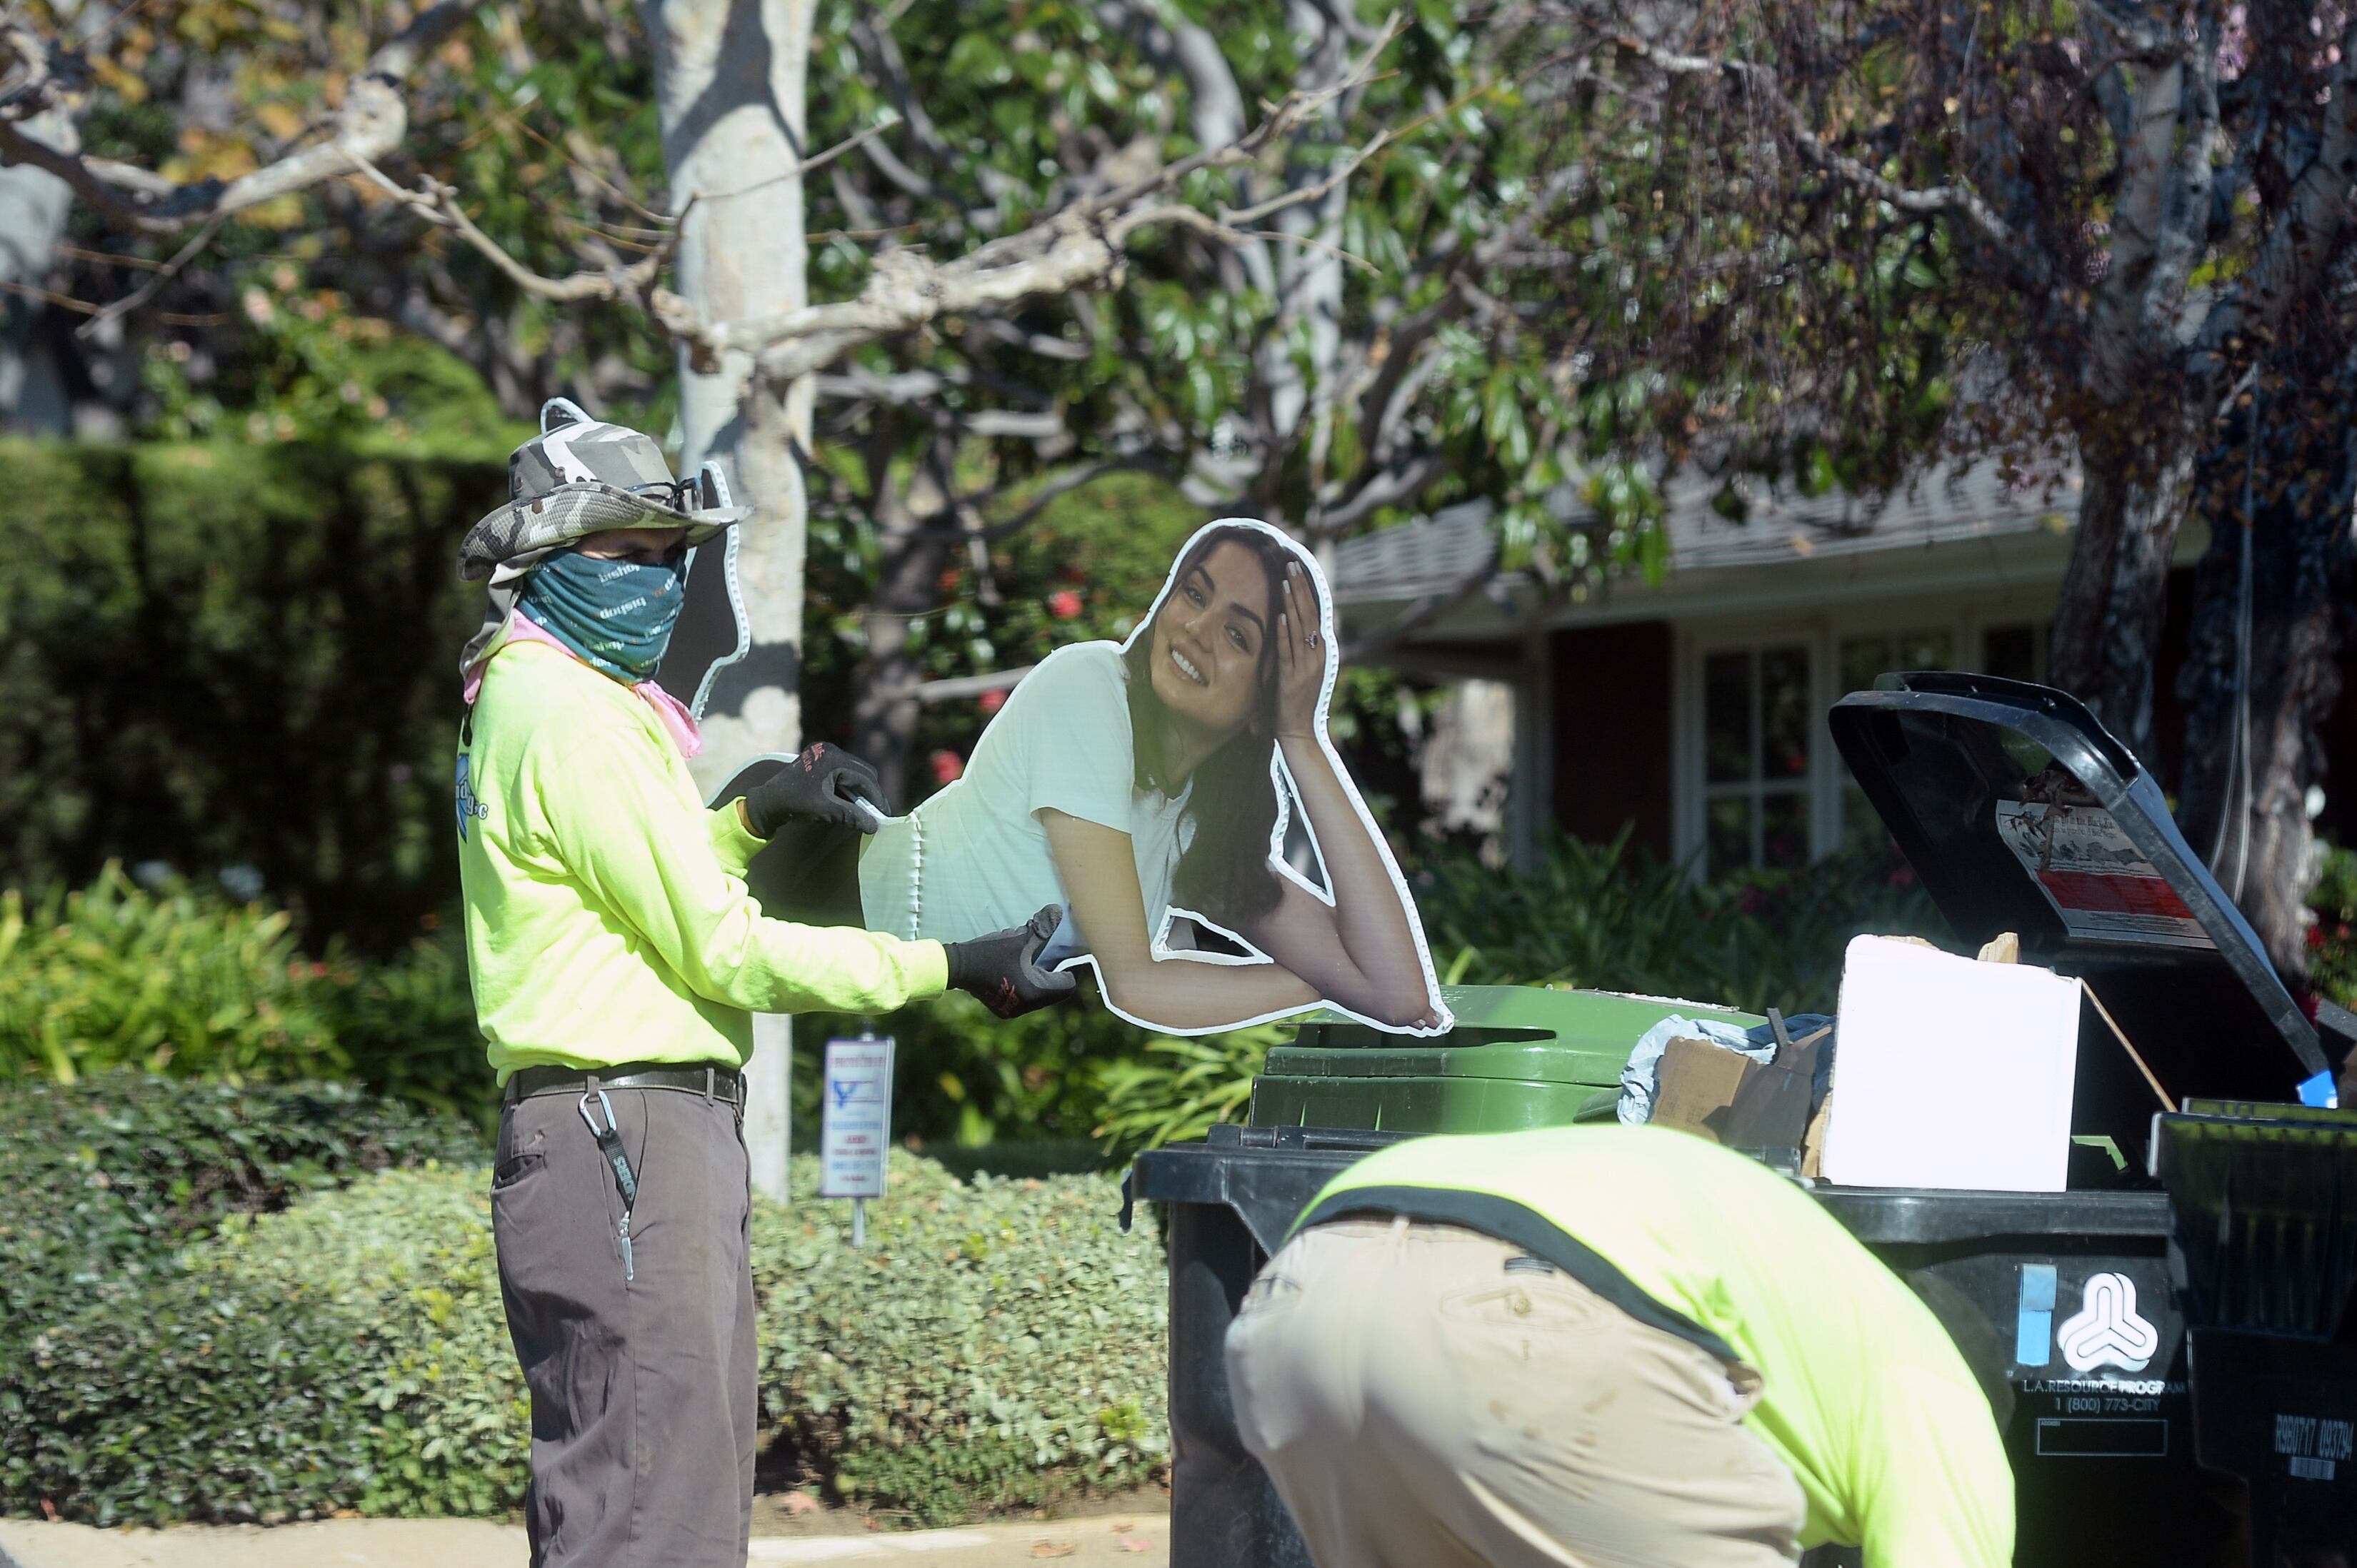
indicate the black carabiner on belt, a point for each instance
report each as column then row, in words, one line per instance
column 610, row 1143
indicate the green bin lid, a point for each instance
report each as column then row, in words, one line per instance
column 1523, row 1032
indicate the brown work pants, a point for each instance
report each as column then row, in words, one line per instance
column 642, row 1389
column 1425, row 1396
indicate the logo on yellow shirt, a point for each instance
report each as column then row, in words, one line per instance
column 469, row 806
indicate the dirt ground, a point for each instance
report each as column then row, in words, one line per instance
column 792, row 1514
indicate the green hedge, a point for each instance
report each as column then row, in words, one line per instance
column 348, row 1353
column 109, row 1180
column 217, row 654
column 995, row 1344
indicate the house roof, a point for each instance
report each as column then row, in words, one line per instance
column 1438, row 554
column 1455, row 547
column 1946, row 506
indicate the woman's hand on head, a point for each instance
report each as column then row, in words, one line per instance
column 1301, row 653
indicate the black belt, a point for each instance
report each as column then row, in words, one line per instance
column 711, row 1080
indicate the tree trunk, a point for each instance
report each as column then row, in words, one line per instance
column 1297, row 361
column 2107, row 619
column 729, row 88
column 33, row 207
column 2249, row 764
column 912, row 552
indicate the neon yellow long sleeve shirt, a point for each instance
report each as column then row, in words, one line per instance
column 607, row 915
column 1866, row 1398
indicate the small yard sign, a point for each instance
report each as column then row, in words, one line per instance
column 856, row 1124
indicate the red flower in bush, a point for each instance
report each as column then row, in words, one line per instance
column 1063, row 604
column 2316, row 936
column 992, row 701
column 948, row 766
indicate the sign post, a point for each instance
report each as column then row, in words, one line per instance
column 856, row 1124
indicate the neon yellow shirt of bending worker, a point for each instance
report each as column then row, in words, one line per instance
column 606, row 916
column 1866, row 1397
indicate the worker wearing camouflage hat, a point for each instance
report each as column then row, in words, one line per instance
column 617, row 962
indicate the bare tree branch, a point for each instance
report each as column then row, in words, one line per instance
column 1080, row 247
column 156, row 279
column 372, row 124
column 1959, row 198
column 438, row 205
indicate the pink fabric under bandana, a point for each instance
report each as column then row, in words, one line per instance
column 670, row 712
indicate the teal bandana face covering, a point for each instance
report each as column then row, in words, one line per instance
column 616, row 615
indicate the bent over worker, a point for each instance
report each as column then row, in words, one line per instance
column 1592, row 1346
column 617, row 960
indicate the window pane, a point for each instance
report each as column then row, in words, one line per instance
column 1785, row 830
column 1927, row 650
column 1862, row 828
column 2010, row 652
column 1728, row 843
column 1727, row 720
column 1862, row 659
column 1784, row 712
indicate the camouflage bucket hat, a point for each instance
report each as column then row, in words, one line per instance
column 582, row 475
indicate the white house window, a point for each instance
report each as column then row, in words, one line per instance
column 1759, row 782
column 1758, row 727
column 1861, row 659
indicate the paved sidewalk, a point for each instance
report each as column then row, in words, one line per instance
column 1140, row 1541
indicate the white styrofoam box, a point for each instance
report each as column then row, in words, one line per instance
column 1951, row 1072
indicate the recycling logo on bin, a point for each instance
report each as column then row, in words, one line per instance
column 2107, row 1330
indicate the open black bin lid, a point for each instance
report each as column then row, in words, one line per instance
column 2022, row 813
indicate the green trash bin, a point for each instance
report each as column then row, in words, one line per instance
column 1518, row 1057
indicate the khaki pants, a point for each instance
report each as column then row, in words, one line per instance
column 1425, row 1396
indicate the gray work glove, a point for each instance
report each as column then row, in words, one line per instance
column 825, row 784
column 1003, row 968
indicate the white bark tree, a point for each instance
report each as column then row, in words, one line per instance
column 731, row 77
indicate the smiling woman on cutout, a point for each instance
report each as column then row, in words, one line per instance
column 1138, row 786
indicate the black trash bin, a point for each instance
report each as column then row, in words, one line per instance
column 2266, row 1259
column 2019, row 813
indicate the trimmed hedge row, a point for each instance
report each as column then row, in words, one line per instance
column 994, row 1346
column 109, row 1179
column 348, row 1353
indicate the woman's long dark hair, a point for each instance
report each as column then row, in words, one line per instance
column 1224, row 874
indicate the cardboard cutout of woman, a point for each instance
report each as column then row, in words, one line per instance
column 1149, row 787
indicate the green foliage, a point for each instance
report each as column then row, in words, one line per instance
column 113, row 977
column 962, row 1075
column 172, row 982
column 348, row 1353
column 217, row 655
column 1176, row 1090
column 994, row 1346
column 279, row 329
column 110, row 1178
column 1612, row 918
column 2332, row 940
